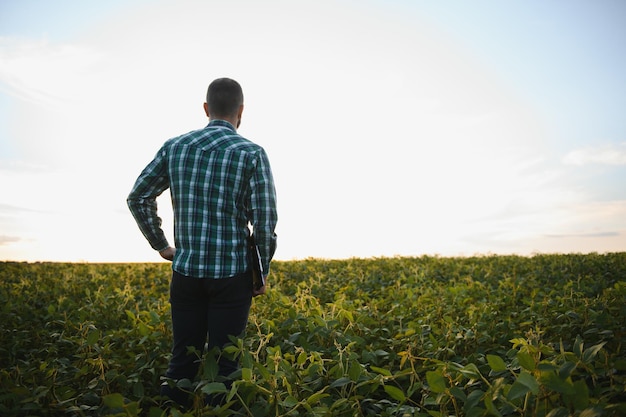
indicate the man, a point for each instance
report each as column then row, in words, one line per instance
column 220, row 183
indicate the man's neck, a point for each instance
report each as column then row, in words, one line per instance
column 225, row 119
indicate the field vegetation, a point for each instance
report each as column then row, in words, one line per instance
column 426, row 336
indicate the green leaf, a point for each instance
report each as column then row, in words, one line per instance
column 496, row 363
column 552, row 381
column 290, row 402
column 436, row 381
column 93, row 337
column 578, row 346
column 381, row 353
column 395, row 393
column 491, row 408
column 579, row 400
column 473, row 398
column 381, row 371
column 230, row 349
column 547, row 366
column 475, row 412
column 471, row 371
column 214, row 388
column 620, row 364
column 566, row 369
column 355, row 371
column 65, row 393
column 132, row 408
column 528, row 381
column 517, row 390
column 131, row 315
column 265, row 374
column 115, row 400
column 458, row 393
column 341, row 382
column 317, row 396
column 211, row 368
column 184, row 384
column 143, row 329
column 591, row 352
column 138, row 389
column 338, row 404
column 524, row 384
column 518, row 341
column 156, row 412
column 558, row 412
column 526, row 361
column 154, row 317
column 592, row 412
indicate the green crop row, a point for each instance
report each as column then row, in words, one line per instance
column 426, row 336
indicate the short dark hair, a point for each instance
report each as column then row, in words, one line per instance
column 224, row 96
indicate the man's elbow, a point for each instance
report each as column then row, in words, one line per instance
column 134, row 203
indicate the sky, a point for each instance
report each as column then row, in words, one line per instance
column 394, row 128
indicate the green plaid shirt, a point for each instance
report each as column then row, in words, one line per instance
column 219, row 181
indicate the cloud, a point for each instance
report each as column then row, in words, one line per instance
column 8, row 208
column 40, row 71
column 17, row 166
column 613, row 154
column 6, row 240
column 585, row 235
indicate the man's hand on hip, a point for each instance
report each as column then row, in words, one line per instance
column 168, row 253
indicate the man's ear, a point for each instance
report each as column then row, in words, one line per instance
column 239, row 113
column 206, row 110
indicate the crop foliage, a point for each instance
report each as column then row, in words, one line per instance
column 425, row 336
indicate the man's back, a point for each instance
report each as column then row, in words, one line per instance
column 219, row 181
column 210, row 171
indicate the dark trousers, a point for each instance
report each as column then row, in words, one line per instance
column 204, row 308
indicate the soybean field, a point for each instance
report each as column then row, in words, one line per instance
column 426, row 336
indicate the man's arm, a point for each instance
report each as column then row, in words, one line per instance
column 263, row 210
column 142, row 203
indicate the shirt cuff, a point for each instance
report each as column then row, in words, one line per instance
column 161, row 246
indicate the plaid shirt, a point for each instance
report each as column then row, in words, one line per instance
column 219, row 181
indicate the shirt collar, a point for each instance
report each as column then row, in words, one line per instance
column 223, row 123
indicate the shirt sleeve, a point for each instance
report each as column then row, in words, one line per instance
column 141, row 201
column 263, row 209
